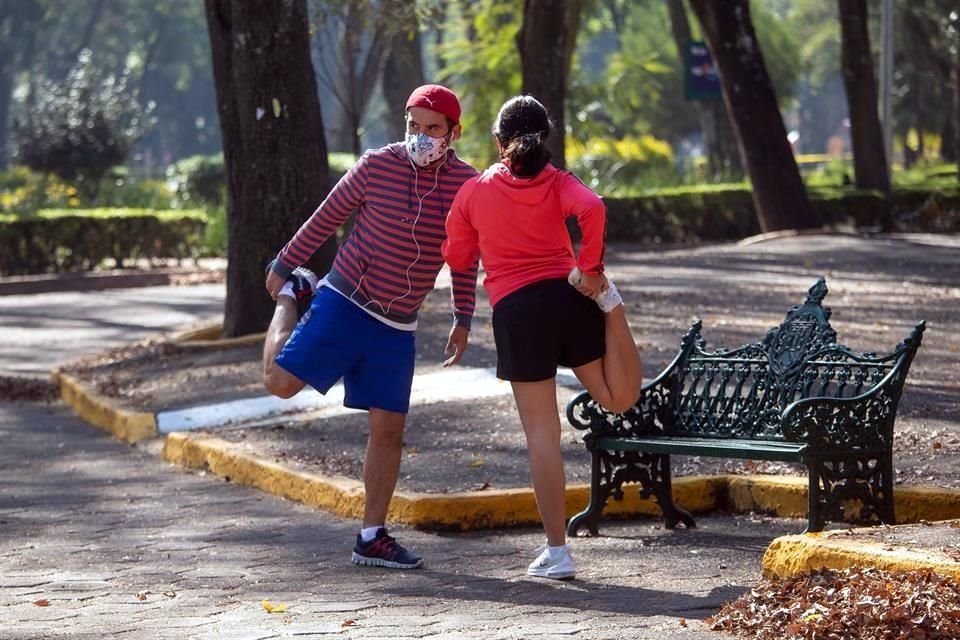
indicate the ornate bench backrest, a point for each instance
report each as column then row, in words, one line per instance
column 742, row 393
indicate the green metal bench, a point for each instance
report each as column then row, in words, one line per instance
column 797, row 396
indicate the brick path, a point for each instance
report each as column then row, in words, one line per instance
column 122, row 545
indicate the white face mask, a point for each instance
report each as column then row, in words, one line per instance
column 424, row 150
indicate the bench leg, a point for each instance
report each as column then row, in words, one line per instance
column 598, row 500
column 814, row 515
column 609, row 470
column 656, row 480
column 836, row 483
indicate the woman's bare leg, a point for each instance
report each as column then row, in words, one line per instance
column 537, row 405
column 615, row 379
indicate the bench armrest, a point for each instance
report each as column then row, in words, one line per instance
column 842, row 424
column 652, row 408
column 583, row 412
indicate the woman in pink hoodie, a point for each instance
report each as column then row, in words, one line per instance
column 550, row 306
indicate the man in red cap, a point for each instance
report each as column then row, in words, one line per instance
column 357, row 323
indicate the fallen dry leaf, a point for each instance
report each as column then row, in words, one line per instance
column 142, row 595
column 41, row 603
column 348, row 623
column 270, row 607
column 864, row 604
column 477, row 463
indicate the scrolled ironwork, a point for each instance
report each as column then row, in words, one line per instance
column 797, row 385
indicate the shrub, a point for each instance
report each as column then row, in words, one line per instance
column 726, row 212
column 65, row 240
column 215, row 234
column 200, row 179
column 82, row 127
column 618, row 167
column 124, row 191
column 24, row 192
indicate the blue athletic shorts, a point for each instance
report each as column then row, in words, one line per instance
column 337, row 339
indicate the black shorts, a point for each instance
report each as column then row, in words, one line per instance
column 543, row 325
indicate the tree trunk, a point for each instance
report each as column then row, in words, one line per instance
column 869, row 156
column 543, row 46
column 6, row 97
column 402, row 73
column 948, row 132
column 273, row 144
column 778, row 192
column 956, row 96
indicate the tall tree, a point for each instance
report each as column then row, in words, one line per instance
column 19, row 20
column 543, row 45
column 778, row 192
column 869, row 156
column 714, row 119
column 954, row 28
column 273, row 143
column 351, row 50
column 402, row 70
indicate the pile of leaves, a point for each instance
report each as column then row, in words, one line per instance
column 854, row 604
column 19, row 389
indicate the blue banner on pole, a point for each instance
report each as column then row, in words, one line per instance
column 702, row 82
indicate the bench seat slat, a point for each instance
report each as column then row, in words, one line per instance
column 712, row 447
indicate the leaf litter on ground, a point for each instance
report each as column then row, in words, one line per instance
column 853, row 604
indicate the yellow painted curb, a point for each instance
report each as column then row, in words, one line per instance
column 452, row 511
column 786, row 497
column 208, row 338
column 798, row 555
column 99, row 411
column 914, row 504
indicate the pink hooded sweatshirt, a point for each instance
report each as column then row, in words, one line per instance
column 517, row 228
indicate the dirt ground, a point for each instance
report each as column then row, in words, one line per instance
column 879, row 288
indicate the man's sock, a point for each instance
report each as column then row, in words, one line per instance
column 369, row 533
column 287, row 290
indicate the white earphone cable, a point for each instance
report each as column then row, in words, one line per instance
column 413, row 235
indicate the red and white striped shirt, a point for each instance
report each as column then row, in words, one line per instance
column 390, row 261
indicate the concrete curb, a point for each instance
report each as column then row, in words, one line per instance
column 783, row 496
column 136, row 426
column 451, row 511
column 779, row 496
column 28, row 285
column 208, row 338
column 799, row 555
column 131, row 426
column 786, row 497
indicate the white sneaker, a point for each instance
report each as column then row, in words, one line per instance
column 544, row 566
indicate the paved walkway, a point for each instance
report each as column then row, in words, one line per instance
column 123, row 545
column 44, row 330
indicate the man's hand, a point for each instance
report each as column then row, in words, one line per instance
column 274, row 283
column 456, row 345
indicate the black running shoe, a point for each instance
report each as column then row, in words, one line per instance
column 384, row 551
column 304, row 285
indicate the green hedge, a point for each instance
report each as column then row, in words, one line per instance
column 56, row 240
column 726, row 212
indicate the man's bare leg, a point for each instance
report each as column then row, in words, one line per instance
column 277, row 380
column 381, row 468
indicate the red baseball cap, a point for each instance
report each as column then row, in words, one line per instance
column 436, row 98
